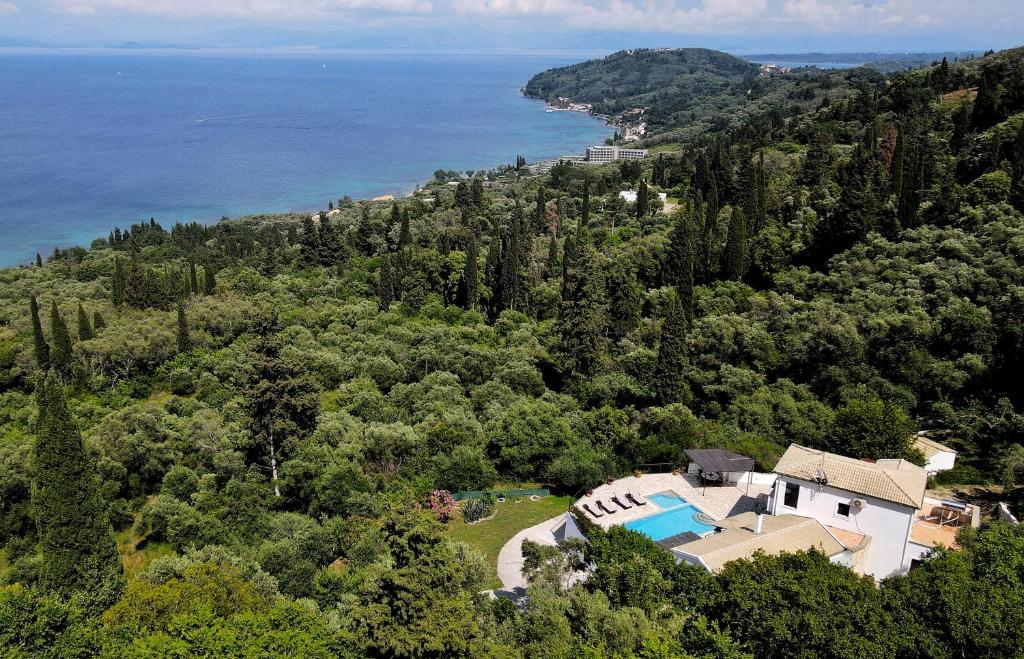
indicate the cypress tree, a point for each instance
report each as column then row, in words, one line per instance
column 364, row 232
column 568, row 264
column 585, row 217
column 679, row 266
column 118, row 284
column 403, row 261
column 39, row 260
column 941, row 77
column 209, row 280
column 309, row 243
column 625, row 301
column 540, row 219
column 395, row 220
column 470, row 274
column 1017, row 179
column 508, row 282
column 84, row 328
column 193, row 278
column 60, row 358
column 714, row 201
column 478, row 193
column 669, row 380
column 734, row 260
column 386, row 283
column 899, row 158
column 515, row 260
column 79, row 556
column 330, row 245
column 988, row 104
column 552, row 261
column 492, row 276
column 703, row 236
column 641, row 201
column 404, row 234
column 581, row 314
column 183, row 339
column 98, row 322
column 42, row 348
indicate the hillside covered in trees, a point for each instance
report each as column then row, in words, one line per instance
column 266, row 408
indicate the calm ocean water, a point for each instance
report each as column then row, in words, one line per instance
column 89, row 141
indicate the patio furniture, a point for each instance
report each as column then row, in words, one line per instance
column 610, row 511
column 949, row 516
column 714, row 463
column 619, row 503
column 592, row 513
column 634, row 500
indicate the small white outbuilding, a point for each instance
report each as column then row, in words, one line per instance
column 938, row 457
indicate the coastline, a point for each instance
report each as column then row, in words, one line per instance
column 405, row 190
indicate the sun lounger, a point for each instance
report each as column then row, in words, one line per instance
column 618, row 502
column 633, row 499
column 610, row 511
column 592, row 513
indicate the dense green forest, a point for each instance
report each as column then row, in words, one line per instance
column 261, row 415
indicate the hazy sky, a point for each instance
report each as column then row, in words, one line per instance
column 737, row 24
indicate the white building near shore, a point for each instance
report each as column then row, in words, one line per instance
column 604, row 154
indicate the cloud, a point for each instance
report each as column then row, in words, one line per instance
column 795, row 17
column 8, row 8
column 242, row 9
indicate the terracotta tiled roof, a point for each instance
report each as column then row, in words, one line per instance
column 898, row 481
column 930, row 447
column 779, row 533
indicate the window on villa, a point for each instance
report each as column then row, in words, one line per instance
column 792, row 495
column 843, row 510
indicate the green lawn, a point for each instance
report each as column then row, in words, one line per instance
column 665, row 148
column 137, row 558
column 511, row 518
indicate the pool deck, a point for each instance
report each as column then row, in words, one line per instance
column 716, row 501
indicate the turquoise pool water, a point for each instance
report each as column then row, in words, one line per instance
column 666, row 500
column 677, row 517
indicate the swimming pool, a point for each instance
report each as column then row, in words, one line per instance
column 666, row 500
column 677, row 517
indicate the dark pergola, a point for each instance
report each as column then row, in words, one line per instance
column 714, row 463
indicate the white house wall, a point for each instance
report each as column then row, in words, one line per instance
column 888, row 524
column 943, row 461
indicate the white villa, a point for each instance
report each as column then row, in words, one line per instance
column 873, row 517
column 629, row 196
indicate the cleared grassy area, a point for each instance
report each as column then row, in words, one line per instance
column 135, row 557
column 511, row 518
column 665, row 148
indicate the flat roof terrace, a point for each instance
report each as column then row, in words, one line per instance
column 717, row 502
column 933, row 528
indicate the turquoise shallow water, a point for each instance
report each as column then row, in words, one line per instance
column 89, row 141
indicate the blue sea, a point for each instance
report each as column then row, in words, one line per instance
column 90, row 140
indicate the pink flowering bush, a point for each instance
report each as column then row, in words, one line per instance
column 443, row 505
